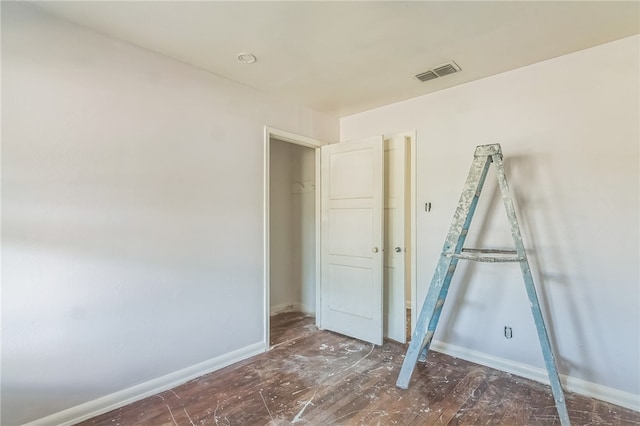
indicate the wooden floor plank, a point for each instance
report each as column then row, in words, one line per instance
column 317, row 377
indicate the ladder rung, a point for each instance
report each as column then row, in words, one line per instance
column 480, row 258
column 497, row 251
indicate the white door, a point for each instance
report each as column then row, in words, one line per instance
column 395, row 246
column 351, row 238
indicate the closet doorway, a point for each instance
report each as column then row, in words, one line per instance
column 291, row 230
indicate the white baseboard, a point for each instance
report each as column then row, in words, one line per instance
column 571, row 384
column 291, row 307
column 135, row 393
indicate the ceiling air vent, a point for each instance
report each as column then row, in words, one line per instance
column 426, row 76
column 439, row 71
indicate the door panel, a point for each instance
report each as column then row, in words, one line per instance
column 355, row 288
column 357, row 223
column 352, row 235
column 394, row 236
column 351, row 174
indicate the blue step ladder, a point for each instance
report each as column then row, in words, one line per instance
column 453, row 251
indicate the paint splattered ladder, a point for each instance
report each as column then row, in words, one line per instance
column 453, row 251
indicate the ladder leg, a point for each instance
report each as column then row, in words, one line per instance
column 435, row 318
column 425, row 327
column 437, row 293
column 549, row 359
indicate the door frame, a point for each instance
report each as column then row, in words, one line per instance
column 414, row 229
column 413, row 225
column 285, row 136
column 412, row 207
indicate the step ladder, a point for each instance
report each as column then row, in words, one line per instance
column 453, row 251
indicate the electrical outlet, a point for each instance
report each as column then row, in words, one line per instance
column 508, row 332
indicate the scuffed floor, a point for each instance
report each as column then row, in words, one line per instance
column 321, row 378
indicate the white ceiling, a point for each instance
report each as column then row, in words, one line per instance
column 347, row 57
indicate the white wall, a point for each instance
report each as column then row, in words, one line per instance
column 292, row 227
column 132, row 196
column 569, row 129
column 303, row 170
column 283, row 290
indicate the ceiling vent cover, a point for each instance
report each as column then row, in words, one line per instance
column 426, row 76
column 439, row 71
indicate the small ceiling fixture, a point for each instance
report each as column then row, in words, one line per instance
column 439, row 71
column 247, row 58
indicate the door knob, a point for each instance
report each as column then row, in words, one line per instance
column 398, row 249
column 375, row 249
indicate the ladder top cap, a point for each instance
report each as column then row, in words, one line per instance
column 486, row 150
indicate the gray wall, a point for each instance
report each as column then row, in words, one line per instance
column 569, row 128
column 132, row 199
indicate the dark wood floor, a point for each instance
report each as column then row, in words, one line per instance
column 322, row 378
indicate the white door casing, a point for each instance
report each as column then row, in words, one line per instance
column 352, row 238
column 395, row 246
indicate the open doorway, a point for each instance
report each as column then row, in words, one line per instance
column 292, row 235
column 291, row 227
